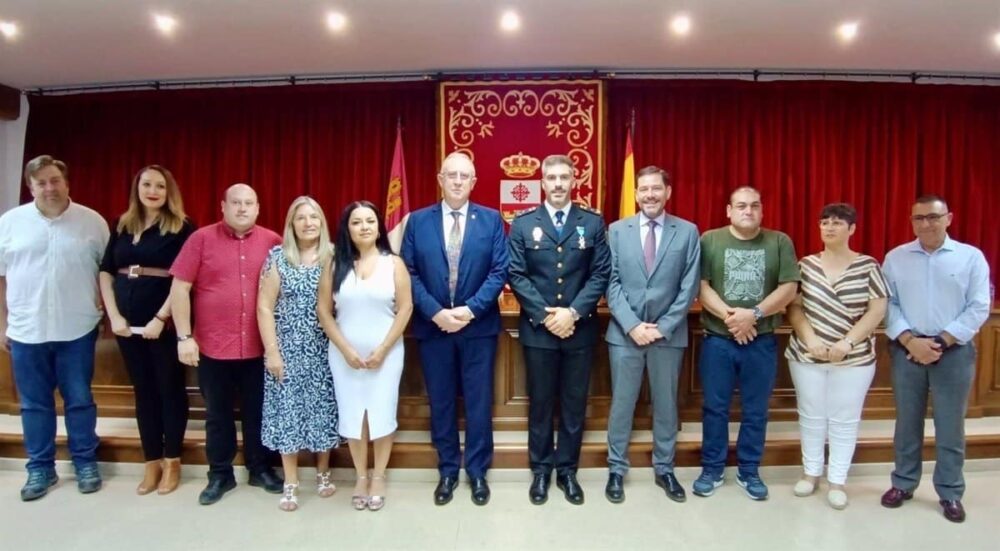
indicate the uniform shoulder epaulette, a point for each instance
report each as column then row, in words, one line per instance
column 521, row 213
column 587, row 208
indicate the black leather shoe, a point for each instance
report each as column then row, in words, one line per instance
column 272, row 483
column 568, row 484
column 669, row 483
column 894, row 497
column 953, row 510
column 539, row 491
column 615, row 490
column 445, row 490
column 215, row 489
column 480, row 491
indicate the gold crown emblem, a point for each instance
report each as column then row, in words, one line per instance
column 520, row 165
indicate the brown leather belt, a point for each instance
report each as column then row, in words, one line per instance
column 135, row 271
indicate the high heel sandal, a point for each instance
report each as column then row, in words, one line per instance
column 360, row 501
column 324, row 486
column 290, row 500
column 376, row 502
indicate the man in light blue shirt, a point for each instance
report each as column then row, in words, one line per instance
column 940, row 297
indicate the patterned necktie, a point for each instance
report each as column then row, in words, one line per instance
column 649, row 246
column 454, row 248
column 559, row 222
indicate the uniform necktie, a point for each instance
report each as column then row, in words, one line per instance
column 649, row 247
column 454, row 248
column 559, row 222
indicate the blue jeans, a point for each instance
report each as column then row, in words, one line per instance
column 38, row 370
column 725, row 365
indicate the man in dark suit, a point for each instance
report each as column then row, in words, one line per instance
column 456, row 252
column 559, row 268
column 654, row 281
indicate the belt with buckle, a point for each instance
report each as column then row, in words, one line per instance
column 135, row 271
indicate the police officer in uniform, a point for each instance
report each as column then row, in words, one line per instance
column 559, row 269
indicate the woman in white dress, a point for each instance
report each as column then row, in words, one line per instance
column 364, row 305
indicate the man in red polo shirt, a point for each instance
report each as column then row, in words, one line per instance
column 221, row 264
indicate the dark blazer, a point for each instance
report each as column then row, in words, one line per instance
column 482, row 269
column 662, row 296
column 547, row 269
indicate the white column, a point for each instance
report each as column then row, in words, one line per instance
column 12, row 134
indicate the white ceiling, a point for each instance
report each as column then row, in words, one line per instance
column 64, row 42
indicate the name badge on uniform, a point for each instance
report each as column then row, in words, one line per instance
column 580, row 230
column 536, row 233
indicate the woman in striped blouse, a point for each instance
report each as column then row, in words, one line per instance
column 842, row 298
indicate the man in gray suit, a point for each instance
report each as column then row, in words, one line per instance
column 654, row 281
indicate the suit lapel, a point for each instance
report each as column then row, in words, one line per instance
column 633, row 243
column 574, row 218
column 438, row 231
column 544, row 221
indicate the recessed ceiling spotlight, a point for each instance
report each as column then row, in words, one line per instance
column 8, row 29
column 510, row 21
column 165, row 23
column 847, row 31
column 336, row 21
column 681, row 24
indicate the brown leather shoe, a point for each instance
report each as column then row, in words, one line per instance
column 171, row 475
column 150, row 479
column 895, row 497
column 953, row 510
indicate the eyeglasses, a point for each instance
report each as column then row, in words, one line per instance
column 460, row 176
column 932, row 218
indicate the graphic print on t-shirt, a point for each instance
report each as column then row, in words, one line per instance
column 744, row 275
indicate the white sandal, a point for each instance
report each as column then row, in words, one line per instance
column 324, row 486
column 290, row 499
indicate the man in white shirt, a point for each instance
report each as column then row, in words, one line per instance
column 50, row 250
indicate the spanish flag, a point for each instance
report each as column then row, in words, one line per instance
column 397, row 203
column 627, row 207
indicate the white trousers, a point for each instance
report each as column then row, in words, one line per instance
column 830, row 400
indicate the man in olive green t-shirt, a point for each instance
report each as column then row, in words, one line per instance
column 748, row 275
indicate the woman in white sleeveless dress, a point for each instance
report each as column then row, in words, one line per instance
column 364, row 305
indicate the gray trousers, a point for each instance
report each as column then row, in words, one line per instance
column 948, row 383
column 627, row 366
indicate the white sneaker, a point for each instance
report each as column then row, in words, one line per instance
column 837, row 499
column 804, row 488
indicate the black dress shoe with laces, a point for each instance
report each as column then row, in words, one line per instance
column 215, row 490
column 674, row 490
column 480, row 491
column 272, row 483
column 615, row 490
column 571, row 488
column 445, row 490
column 539, row 491
column 953, row 510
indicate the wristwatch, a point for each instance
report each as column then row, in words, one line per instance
column 757, row 313
column 182, row 338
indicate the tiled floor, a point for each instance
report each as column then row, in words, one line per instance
column 248, row 519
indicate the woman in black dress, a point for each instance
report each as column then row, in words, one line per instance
column 135, row 285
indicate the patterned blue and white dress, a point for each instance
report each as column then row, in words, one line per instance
column 300, row 412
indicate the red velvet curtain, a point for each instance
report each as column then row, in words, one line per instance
column 806, row 144
column 333, row 142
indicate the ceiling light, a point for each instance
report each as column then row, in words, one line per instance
column 8, row 29
column 510, row 21
column 165, row 23
column 336, row 21
column 680, row 24
column 996, row 40
column 847, row 31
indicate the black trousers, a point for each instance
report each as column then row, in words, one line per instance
column 221, row 382
column 161, row 402
column 562, row 375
